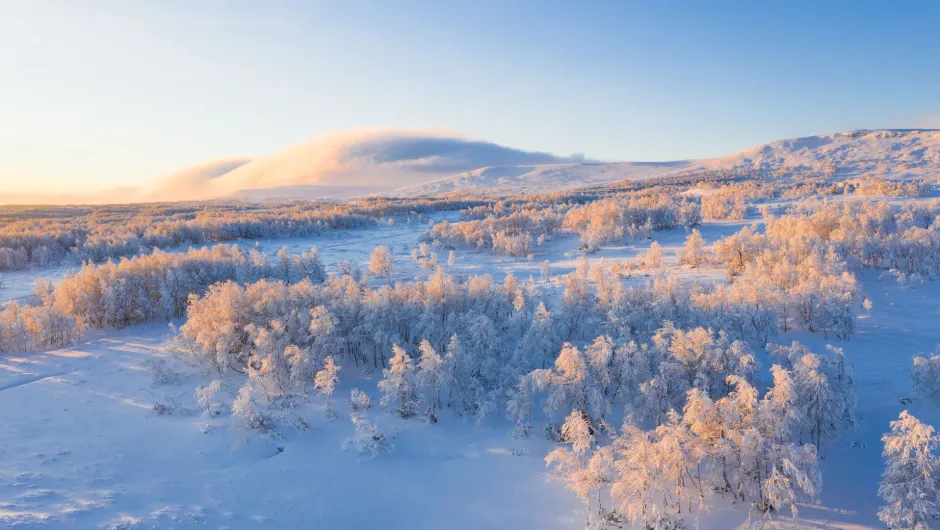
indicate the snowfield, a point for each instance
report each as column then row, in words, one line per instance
column 617, row 361
column 82, row 446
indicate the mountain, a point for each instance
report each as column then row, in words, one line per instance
column 887, row 153
column 368, row 161
column 422, row 162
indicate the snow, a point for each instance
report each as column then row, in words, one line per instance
column 394, row 162
column 82, row 447
column 897, row 154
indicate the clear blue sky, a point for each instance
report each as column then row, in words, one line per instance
column 98, row 93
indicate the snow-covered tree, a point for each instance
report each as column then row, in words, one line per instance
column 925, row 374
column 654, row 256
column 574, row 465
column 325, row 381
column 909, row 483
column 398, row 385
column 369, row 441
column 635, row 485
column 380, row 263
column 248, row 411
column 207, row 395
column 432, row 378
column 692, row 253
column 358, row 401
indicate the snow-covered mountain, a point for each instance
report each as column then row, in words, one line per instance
column 363, row 162
column 407, row 163
column 894, row 154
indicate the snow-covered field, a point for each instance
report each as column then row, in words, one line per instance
column 83, row 446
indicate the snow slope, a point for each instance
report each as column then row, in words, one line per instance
column 894, row 154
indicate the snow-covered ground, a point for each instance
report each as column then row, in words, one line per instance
column 82, row 446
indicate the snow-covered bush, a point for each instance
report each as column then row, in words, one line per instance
column 161, row 373
column 248, row 412
column 358, row 401
column 208, row 395
column 369, row 441
column 925, row 374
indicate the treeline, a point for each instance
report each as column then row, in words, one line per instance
column 39, row 237
column 518, row 229
column 156, row 286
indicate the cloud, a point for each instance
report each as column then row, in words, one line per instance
column 348, row 163
column 374, row 160
column 192, row 182
column 441, row 154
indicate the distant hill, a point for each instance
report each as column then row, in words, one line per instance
column 893, row 154
column 407, row 163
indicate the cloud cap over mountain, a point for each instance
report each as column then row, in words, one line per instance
column 373, row 160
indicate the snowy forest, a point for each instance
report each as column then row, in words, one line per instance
column 672, row 353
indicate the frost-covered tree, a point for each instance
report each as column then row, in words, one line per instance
column 925, row 374
column 568, row 384
column 909, row 483
column 654, row 256
column 398, row 385
column 325, row 381
column 826, row 390
column 431, row 379
column 380, row 263
column 692, row 253
column 207, row 395
column 538, row 345
column 301, row 365
column 358, row 401
column 247, row 410
column 369, row 441
column 574, row 465
column 635, row 485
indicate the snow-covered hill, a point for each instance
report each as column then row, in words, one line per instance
column 363, row 162
column 408, row 163
column 894, row 154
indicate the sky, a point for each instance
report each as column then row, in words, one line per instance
column 107, row 93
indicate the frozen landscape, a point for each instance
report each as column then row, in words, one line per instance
column 470, row 265
column 697, row 348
